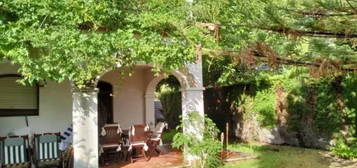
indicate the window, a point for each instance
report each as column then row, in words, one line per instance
column 16, row 99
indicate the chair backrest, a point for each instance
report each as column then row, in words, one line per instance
column 46, row 146
column 111, row 134
column 138, row 133
column 160, row 127
column 14, row 150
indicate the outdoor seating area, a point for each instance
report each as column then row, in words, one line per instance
column 42, row 150
column 116, row 146
column 140, row 142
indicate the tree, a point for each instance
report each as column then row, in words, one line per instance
column 79, row 40
column 320, row 34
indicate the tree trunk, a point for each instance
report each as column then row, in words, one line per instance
column 341, row 105
column 281, row 106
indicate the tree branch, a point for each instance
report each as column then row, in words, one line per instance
column 349, row 3
column 279, row 60
column 323, row 34
column 309, row 32
column 318, row 13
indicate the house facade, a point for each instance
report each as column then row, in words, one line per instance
column 125, row 99
column 54, row 114
column 54, row 107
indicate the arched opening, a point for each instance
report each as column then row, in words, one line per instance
column 168, row 101
column 105, row 103
column 133, row 94
column 128, row 99
column 163, row 98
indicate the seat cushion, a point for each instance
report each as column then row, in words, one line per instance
column 155, row 139
column 110, row 145
column 138, row 143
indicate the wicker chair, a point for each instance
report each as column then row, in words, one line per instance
column 155, row 139
column 15, row 152
column 46, row 150
column 138, row 138
column 110, row 140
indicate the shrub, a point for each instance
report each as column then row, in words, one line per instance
column 168, row 136
column 206, row 146
column 345, row 150
column 170, row 99
column 264, row 104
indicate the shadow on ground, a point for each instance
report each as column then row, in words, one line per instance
column 270, row 156
column 172, row 159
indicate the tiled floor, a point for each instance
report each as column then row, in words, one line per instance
column 172, row 159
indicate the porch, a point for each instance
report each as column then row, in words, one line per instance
column 168, row 160
column 131, row 101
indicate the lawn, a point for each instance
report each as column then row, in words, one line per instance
column 281, row 157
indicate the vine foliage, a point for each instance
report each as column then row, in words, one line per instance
column 207, row 147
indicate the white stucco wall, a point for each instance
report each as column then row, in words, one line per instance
column 129, row 95
column 56, row 102
column 55, row 112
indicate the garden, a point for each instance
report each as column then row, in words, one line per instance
column 279, row 75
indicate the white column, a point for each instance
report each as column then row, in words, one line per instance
column 150, row 109
column 85, row 129
column 192, row 95
column 192, row 101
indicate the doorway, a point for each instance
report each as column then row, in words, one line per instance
column 105, row 103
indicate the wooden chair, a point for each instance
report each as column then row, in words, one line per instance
column 46, row 151
column 155, row 139
column 138, row 138
column 15, row 152
column 67, row 158
column 110, row 140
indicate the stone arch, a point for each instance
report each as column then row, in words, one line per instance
column 178, row 75
column 150, row 94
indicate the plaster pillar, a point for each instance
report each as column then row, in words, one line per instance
column 192, row 94
column 150, row 109
column 85, row 128
column 192, row 101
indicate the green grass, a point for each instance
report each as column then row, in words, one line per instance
column 279, row 157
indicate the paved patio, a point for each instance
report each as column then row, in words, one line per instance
column 172, row 159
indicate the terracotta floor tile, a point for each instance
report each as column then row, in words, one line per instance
column 171, row 159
